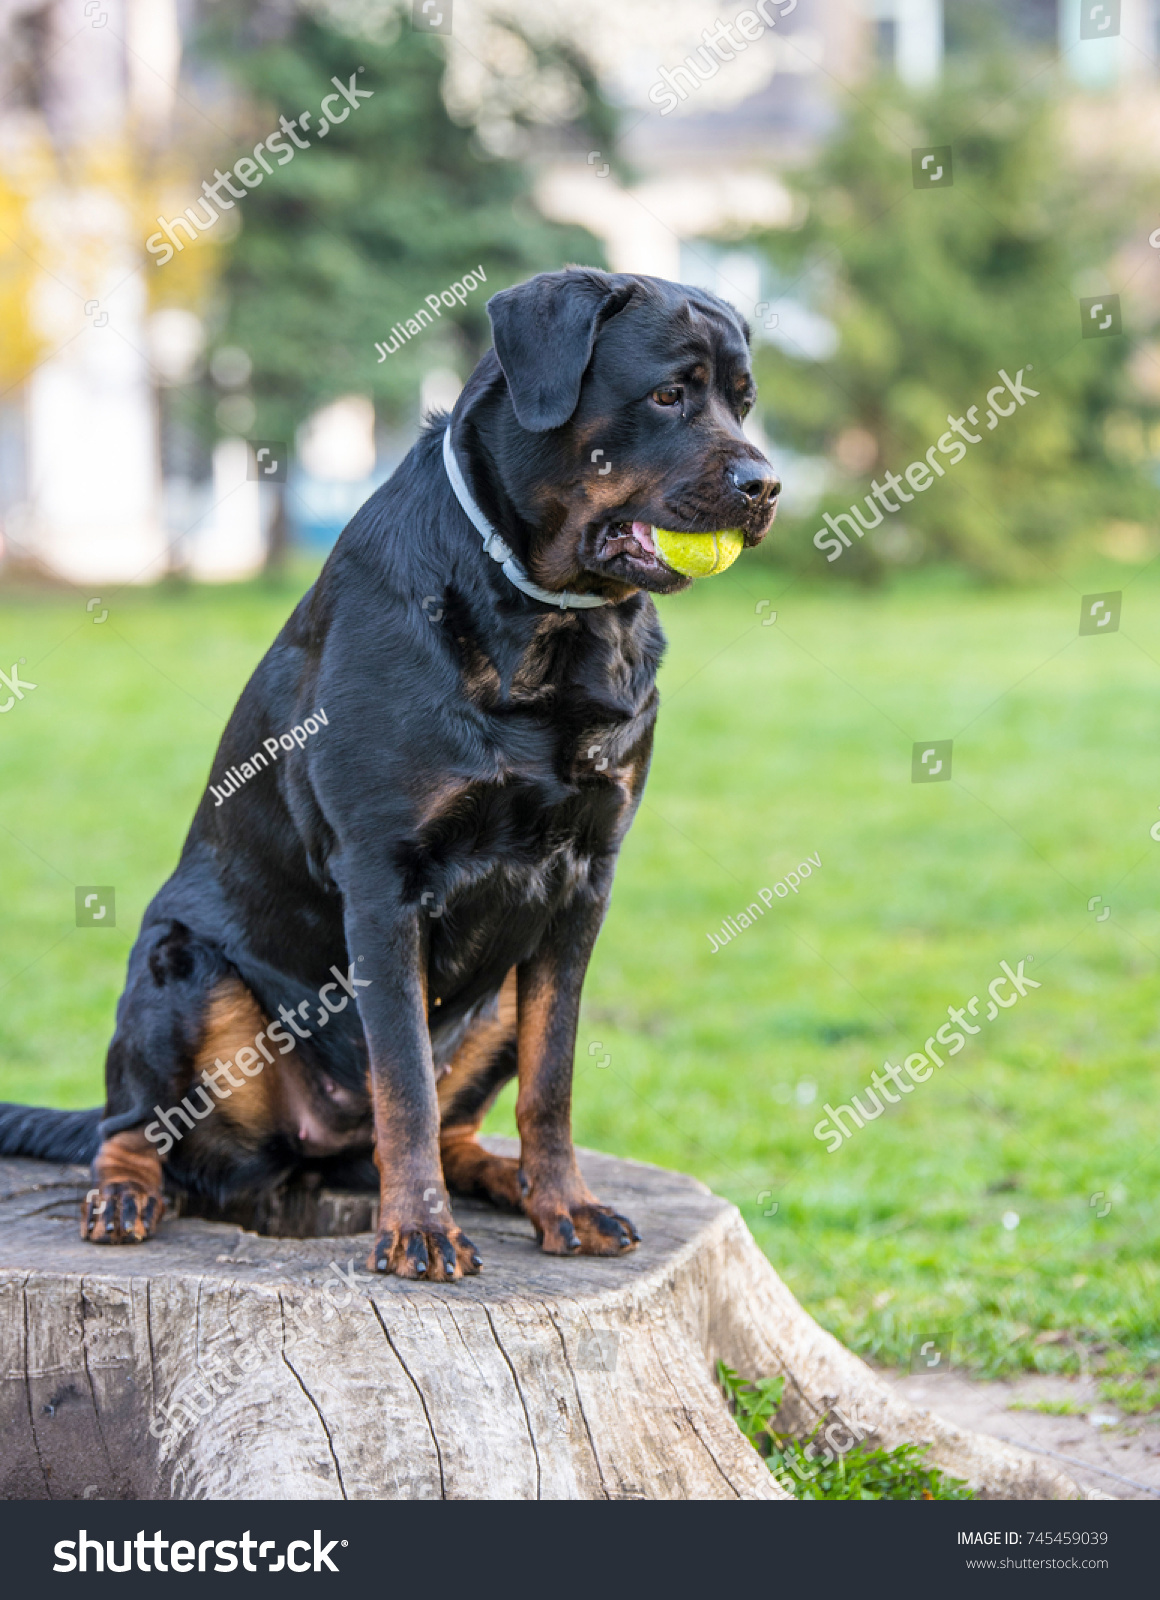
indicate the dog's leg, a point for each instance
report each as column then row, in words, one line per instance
column 417, row 1236
column 126, row 1205
column 183, row 1007
column 567, row 1217
column 484, row 1062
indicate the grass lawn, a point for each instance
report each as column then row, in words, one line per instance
column 1005, row 1210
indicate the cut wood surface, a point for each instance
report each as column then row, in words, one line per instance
column 216, row 1363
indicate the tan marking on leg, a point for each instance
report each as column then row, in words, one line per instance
column 233, row 1022
column 566, row 1215
column 129, row 1158
column 126, row 1204
column 470, row 1169
column 467, row 1166
column 542, row 1122
column 475, row 1055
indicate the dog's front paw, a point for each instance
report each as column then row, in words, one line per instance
column 580, row 1227
column 417, row 1250
column 120, row 1213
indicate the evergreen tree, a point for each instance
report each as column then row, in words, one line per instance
column 394, row 204
column 932, row 291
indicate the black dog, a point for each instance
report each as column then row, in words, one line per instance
column 398, row 874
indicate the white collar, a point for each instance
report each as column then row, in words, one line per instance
column 499, row 551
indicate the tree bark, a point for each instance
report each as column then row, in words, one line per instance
column 216, row 1363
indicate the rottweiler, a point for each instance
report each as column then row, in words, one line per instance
column 391, row 889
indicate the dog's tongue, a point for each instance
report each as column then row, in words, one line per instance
column 643, row 534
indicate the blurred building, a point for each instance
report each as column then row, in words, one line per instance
column 88, row 93
column 712, row 125
column 99, row 478
column 81, row 492
column 710, row 135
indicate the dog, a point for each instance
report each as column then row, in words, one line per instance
column 374, row 926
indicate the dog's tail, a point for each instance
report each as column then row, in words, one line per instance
column 49, row 1135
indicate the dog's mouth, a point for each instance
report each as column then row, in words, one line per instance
column 664, row 559
column 633, row 543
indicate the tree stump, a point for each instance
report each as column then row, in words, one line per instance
column 219, row 1363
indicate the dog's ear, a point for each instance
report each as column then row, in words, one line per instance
column 544, row 331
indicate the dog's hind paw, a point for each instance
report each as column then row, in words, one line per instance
column 120, row 1213
column 470, row 1169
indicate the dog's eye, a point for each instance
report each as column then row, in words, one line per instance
column 669, row 395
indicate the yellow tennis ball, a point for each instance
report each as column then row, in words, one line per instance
column 699, row 555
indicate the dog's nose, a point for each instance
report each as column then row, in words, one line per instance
column 756, row 480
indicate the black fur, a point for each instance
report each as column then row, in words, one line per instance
column 49, row 1135
column 449, row 822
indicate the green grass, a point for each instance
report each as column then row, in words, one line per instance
column 775, row 743
column 816, row 1469
column 1135, row 1397
column 1050, row 1408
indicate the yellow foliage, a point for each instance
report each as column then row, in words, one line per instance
column 26, row 171
column 37, row 190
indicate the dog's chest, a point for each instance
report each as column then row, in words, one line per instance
column 528, row 835
column 505, row 856
column 562, row 729
column 510, row 863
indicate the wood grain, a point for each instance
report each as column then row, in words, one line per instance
column 543, row 1378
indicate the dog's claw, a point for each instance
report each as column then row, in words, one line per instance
column 587, row 1228
column 433, row 1256
column 614, row 1226
column 417, row 1254
column 119, row 1214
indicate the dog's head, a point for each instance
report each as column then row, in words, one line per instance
column 616, row 407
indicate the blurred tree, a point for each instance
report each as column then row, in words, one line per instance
column 932, row 291
column 396, row 203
